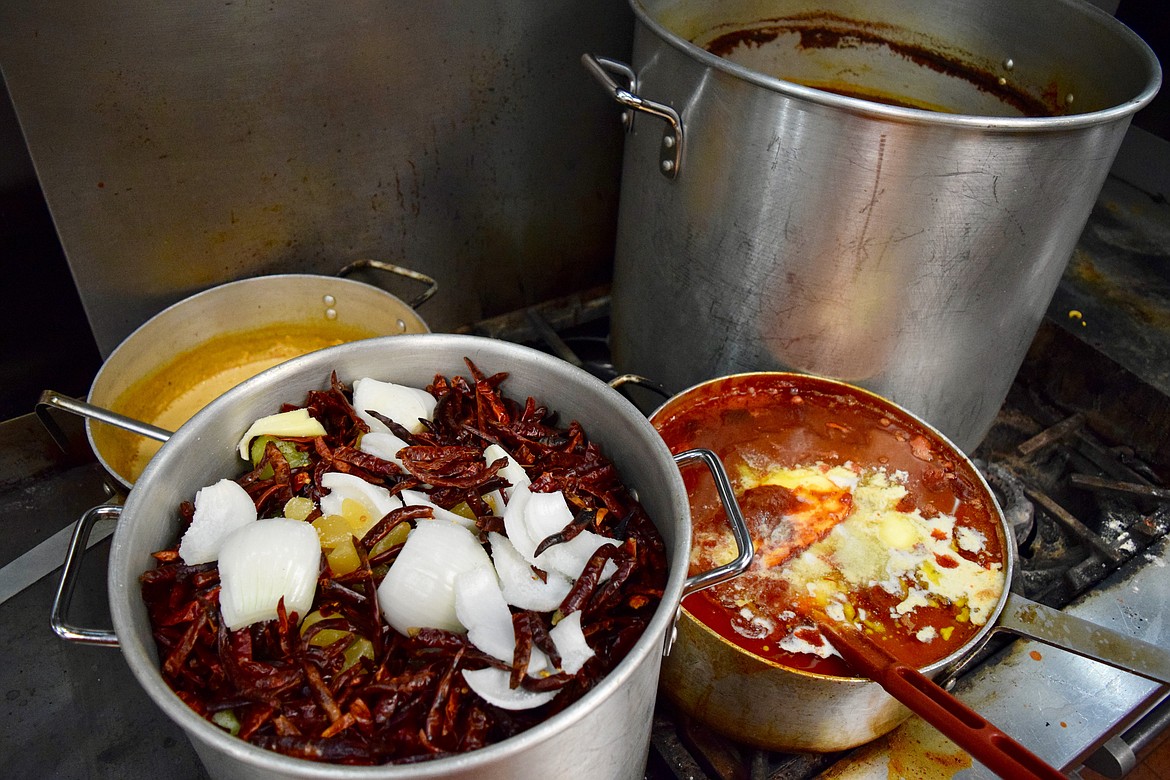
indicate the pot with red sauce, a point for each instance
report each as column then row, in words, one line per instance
column 857, row 510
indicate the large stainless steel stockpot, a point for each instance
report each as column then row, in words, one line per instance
column 910, row 251
column 604, row 734
column 762, row 702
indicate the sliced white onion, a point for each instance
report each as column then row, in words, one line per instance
column 570, row 557
column 219, row 509
column 263, row 562
column 570, row 642
column 495, row 500
column 419, row 589
column 418, row 498
column 516, row 526
column 480, row 606
column 513, row 472
column 384, row 445
column 492, row 685
column 530, row 518
column 294, row 423
column 375, row 498
column 404, row 405
column 519, row 583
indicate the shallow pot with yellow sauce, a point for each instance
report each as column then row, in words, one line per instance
column 811, row 461
column 192, row 352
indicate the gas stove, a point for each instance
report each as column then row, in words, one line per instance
column 1079, row 456
column 1079, row 460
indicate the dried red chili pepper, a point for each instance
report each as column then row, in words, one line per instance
column 408, row 702
column 584, row 519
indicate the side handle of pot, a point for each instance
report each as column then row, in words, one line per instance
column 59, row 618
column 432, row 286
column 1027, row 618
column 604, row 69
column 739, row 529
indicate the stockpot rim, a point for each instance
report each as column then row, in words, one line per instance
column 1010, row 557
column 1010, row 124
column 140, row 653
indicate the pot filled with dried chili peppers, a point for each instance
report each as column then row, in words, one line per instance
column 420, row 556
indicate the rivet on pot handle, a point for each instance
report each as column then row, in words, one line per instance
column 670, row 152
column 61, row 626
column 743, row 539
column 382, row 265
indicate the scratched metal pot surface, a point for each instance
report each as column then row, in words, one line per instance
column 605, row 734
column 909, row 246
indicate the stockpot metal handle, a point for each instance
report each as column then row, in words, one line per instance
column 1023, row 617
column 743, row 539
column 397, row 270
column 620, row 381
column 59, row 617
column 670, row 151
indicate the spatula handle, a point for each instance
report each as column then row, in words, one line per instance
column 965, row 727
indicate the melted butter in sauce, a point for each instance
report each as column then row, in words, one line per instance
column 789, row 422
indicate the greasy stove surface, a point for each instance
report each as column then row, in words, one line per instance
column 68, row 710
column 76, row 711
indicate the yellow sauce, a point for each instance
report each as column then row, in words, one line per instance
column 172, row 393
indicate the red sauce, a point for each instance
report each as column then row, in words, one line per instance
column 792, row 421
column 825, row 31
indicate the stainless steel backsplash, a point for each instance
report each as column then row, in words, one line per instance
column 184, row 145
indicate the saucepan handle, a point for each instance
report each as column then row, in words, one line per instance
column 77, row 545
column 743, row 539
column 604, row 69
column 432, row 286
column 51, row 399
column 1027, row 618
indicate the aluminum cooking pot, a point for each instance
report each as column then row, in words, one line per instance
column 201, row 346
column 604, row 734
column 762, row 702
column 795, row 223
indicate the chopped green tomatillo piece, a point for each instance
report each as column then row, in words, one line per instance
column 295, row 458
column 358, row 649
column 464, row 510
column 227, row 720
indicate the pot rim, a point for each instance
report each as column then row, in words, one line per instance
column 141, row 656
column 128, row 345
column 1140, row 48
column 972, row 645
column 218, row 289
